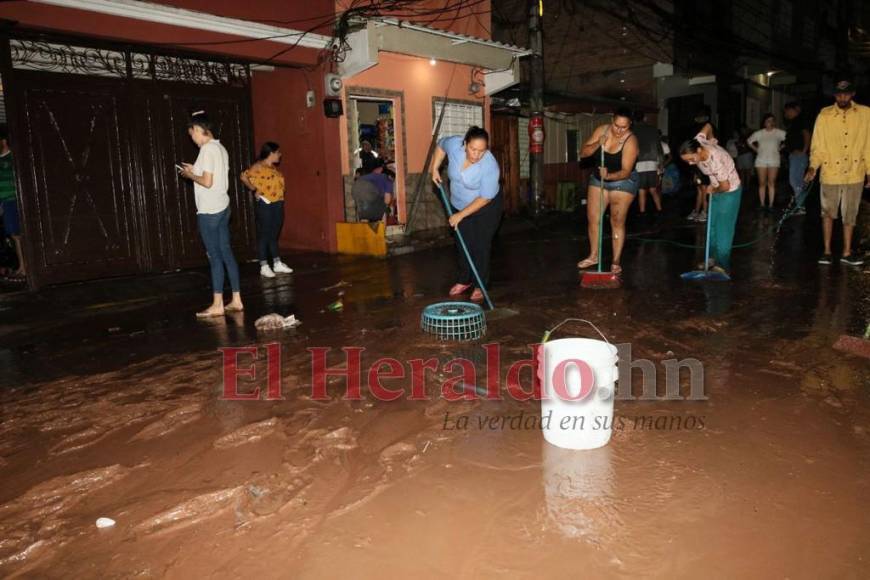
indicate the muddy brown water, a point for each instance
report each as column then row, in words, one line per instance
column 118, row 414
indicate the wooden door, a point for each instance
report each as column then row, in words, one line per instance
column 505, row 147
column 100, row 195
column 78, row 201
column 170, row 208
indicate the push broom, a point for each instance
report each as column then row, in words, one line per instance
column 599, row 278
column 707, row 273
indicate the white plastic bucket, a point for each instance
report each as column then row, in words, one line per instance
column 577, row 413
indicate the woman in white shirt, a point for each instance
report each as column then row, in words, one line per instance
column 767, row 142
column 210, row 176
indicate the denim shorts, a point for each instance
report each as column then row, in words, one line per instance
column 629, row 185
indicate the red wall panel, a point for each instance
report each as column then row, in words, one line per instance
column 314, row 200
column 80, row 22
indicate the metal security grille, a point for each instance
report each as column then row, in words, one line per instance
column 42, row 56
column 523, row 134
column 457, row 118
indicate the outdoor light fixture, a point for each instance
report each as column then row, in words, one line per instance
column 433, row 62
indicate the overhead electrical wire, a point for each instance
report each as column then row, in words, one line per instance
column 452, row 10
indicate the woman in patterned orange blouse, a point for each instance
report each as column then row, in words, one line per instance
column 267, row 184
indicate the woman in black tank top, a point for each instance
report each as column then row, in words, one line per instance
column 620, row 183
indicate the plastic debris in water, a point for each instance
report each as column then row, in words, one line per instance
column 105, row 523
column 341, row 284
column 276, row 322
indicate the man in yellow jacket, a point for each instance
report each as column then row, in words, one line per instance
column 841, row 148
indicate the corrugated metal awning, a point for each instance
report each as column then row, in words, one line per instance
column 497, row 60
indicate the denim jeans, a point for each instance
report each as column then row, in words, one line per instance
column 270, row 218
column 214, row 228
column 797, row 166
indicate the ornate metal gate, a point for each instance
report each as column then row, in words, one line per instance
column 96, row 131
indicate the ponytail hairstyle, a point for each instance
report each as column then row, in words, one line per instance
column 475, row 132
column 267, row 149
column 201, row 120
column 690, row 146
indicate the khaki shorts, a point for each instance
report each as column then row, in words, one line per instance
column 847, row 196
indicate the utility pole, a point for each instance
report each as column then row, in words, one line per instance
column 536, row 123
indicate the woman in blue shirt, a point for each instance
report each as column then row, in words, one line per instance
column 476, row 200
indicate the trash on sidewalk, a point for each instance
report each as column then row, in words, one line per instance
column 341, row 284
column 276, row 322
column 854, row 344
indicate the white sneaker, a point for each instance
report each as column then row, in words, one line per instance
column 280, row 267
column 692, row 216
column 702, row 217
column 266, row 271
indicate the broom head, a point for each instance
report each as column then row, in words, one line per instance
column 600, row 280
column 706, row 275
column 853, row 345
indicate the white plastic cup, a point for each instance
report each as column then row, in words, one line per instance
column 103, row 523
column 578, row 387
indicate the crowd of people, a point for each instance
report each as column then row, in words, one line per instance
column 631, row 157
column 838, row 143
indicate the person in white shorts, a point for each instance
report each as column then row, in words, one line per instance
column 767, row 142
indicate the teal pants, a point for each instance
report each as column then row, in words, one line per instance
column 722, row 214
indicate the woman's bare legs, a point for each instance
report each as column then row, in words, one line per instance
column 762, row 184
column 620, row 201
column 593, row 209
column 771, row 184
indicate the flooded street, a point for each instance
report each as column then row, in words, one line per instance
column 113, row 408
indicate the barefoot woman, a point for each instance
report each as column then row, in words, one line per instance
column 620, row 183
column 210, row 184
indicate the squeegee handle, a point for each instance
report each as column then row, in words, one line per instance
column 601, row 215
column 709, row 229
column 465, row 250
